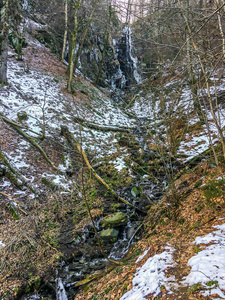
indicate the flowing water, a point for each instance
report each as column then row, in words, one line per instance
column 89, row 259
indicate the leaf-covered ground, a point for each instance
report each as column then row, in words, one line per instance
column 183, row 247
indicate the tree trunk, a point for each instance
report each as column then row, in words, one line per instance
column 220, row 29
column 191, row 75
column 66, row 31
column 73, row 47
column 84, row 35
column 106, row 38
column 4, row 41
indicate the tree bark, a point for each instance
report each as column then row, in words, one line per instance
column 84, row 35
column 73, row 47
column 66, row 31
column 4, row 41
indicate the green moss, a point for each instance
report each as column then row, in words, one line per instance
column 212, row 283
column 198, row 183
column 48, row 183
column 197, row 249
column 194, row 288
column 214, row 189
column 13, row 212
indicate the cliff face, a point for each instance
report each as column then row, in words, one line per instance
column 107, row 54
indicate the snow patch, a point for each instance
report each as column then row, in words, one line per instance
column 142, row 256
column 209, row 264
column 151, row 276
column 2, row 244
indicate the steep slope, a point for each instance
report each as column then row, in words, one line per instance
column 44, row 182
column 41, row 174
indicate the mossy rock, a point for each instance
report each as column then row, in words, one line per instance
column 114, row 220
column 109, row 234
column 22, row 116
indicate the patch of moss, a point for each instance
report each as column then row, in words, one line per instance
column 194, row 288
column 48, row 183
column 13, row 212
column 212, row 283
column 214, row 189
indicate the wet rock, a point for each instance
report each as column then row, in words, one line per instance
column 130, row 232
column 97, row 267
column 109, row 234
column 114, row 220
column 91, row 251
column 76, row 266
column 2, row 170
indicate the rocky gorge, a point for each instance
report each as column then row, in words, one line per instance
column 92, row 179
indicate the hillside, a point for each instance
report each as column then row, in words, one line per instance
column 61, row 153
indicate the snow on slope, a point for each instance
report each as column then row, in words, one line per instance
column 40, row 94
column 207, row 270
column 151, row 276
column 208, row 266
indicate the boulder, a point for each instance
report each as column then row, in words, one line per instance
column 109, row 234
column 114, row 220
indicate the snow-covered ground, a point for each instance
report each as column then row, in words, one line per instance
column 207, row 269
column 151, row 276
column 157, row 109
column 40, row 94
column 208, row 266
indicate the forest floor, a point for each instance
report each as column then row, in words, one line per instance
column 167, row 243
column 41, row 215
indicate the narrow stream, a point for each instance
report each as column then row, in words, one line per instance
column 89, row 259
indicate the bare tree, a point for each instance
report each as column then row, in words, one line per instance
column 4, row 40
column 66, row 31
column 73, row 45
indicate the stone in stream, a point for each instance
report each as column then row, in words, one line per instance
column 109, row 234
column 114, row 220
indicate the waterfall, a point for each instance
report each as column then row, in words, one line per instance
column 126, row 73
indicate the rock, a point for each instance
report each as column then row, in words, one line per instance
column 2, row 170
column 130, row 232
column 22, row 116
column 109, row 234
column 114, row 220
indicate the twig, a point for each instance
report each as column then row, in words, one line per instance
column 6, row 195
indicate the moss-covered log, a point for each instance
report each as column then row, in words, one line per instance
column 101, row 127
column 74, row 144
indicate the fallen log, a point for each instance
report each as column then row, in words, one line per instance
column 74, row 144
column 101, row 127
column 17, row 127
